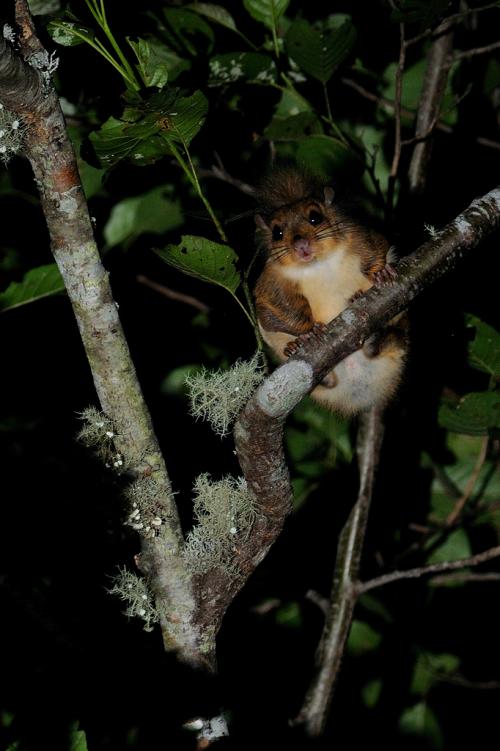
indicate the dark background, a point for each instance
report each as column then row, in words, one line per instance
column 68, row 654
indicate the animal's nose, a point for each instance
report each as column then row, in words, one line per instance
column 296, row 238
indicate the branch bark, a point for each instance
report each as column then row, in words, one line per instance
column 436, row 76
column 26, row 90
column 314, row 712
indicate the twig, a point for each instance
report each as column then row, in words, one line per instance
column 314, row 712
column 459, row 505
column 172, row 294
column 318, row 600
column 451, row 20
column 488, row 576
column 433, row 568
column 388, row 104
column 459, row 680
column 433, row 88
column 219, row 171
column 397, row 120
column 466, row 54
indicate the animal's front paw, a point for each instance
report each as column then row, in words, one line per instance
column 291, row 348
column 356, row 295
column 387, row 275
column 314, row 333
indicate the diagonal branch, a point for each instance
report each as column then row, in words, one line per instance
column 259, row 430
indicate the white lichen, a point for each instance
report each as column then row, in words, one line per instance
column 98, row 433
column 46, row 64
column 225, row 513
column 219, row 396
column 145, row 504
column 8, row 33
column 133, row 590
column 431, row 231
column 12, row 131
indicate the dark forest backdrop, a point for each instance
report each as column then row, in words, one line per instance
column 422, row 668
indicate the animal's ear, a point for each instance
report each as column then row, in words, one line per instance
column 260, row 222
column 329, row 194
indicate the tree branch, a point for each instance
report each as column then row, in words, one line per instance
column 436, row 76
column 433, row 568
column 28, row 92
column 314, row 712
column 259, row 430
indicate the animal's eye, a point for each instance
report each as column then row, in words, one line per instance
column 315, row 217
column 277, row 233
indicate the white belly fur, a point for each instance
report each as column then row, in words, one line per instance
column 328, row 286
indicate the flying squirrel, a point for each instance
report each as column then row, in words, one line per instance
column 318, row 259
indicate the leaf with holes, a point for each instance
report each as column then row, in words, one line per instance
column 70, row 33
column 147, row 129
column 250, row 66
column 204, row 259
column 319, row 51
column 37, row 283
column 267, row 12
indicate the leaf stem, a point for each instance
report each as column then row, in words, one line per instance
column 190, row 173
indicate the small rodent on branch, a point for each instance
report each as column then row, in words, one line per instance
column 318, row 259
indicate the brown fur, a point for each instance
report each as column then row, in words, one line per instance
column 316, row 262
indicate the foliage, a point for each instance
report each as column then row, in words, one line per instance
column 171, row 107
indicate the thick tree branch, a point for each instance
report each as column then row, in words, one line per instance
column 259, row 430
column 28, row 92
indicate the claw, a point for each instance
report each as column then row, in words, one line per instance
column 387, row 275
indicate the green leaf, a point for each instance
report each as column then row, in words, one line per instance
column 475, row 414
column 294, row 127
column 362, row 639
column 420, row 721
column 289, row 615
column 249, row 66
column 204, row 260
column 37, row 283
column 188, row 31
column 148, row 128
column 157, row 62
column 174, row 383
column 319, row 51
column 430, row 669
column 215, row 13
column 290, row 104
column 267, row 12
column 370, row 693
column 70, row 33
column 455, row 546
column 78, row 741
column 326, row 156
column 484, row 349
column 413, row 78
column 152, row 212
